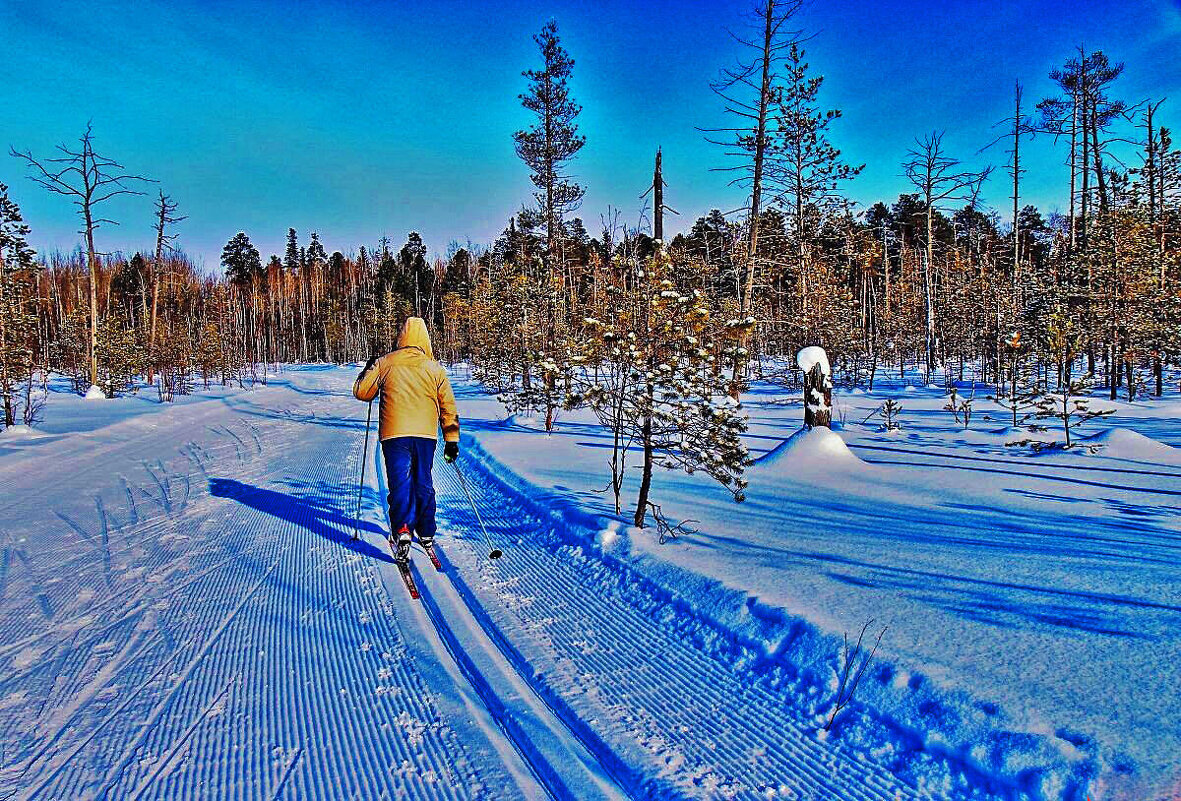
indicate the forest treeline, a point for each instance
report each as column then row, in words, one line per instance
column 665, row 331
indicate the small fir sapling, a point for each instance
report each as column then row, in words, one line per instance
column 1068, row 409
column 1065, row 404
column 890, row 410
column 647, row 367
column 1022, row 393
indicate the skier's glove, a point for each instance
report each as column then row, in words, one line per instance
column 450, row 452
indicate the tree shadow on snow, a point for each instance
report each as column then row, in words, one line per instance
column 306, row 512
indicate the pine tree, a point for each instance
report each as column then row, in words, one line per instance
column 713, row 240
column 549, row 145
column 1085, row 112
column 316, row 255
column 18, row 317
column 806, row 169
column 15, row 253
column 291, row 255
column 241, row 260
column 648, row 365
column 417, row 276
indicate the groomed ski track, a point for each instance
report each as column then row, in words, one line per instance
column 201, row 625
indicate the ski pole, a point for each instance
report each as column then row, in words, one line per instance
column 364, row 459
column 494, row 553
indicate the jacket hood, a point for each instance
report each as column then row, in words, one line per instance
column 415, row 335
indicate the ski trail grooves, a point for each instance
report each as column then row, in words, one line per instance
column 245, row 649
column 564, row 769
column 675, row 701
column 568, row 771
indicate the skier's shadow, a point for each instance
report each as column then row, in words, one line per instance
column 306, row 513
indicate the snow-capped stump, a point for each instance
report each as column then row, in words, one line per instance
column 817, row 386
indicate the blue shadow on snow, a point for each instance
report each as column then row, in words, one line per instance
column 308, row 514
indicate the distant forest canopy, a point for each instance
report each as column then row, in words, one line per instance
column 932, row 280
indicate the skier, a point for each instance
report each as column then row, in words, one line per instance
column 416, row 398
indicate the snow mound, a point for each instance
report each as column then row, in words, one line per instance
column 95, row 393
column 812, row 449
column 19, row 431
column 811, row 356
column 1017, row 433
column 525, row 421
column 1124, row 443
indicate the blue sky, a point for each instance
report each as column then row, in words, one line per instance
column 358, row 119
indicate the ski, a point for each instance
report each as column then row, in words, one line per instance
column 430, row 551
column 404, row 569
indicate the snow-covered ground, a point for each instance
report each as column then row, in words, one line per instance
column 183, row 612
column 1033, row 601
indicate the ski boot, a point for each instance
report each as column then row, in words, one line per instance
column 400, row 546
column 428, row 545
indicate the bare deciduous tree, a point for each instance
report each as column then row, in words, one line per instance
column 165, row 215
column 90, row 179
column 748, row 138
column 939, row 178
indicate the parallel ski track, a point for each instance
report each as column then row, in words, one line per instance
column 556, row 768
column 671, row 704
column 1018, row 463
column 260, row 659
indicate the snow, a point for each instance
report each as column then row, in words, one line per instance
column 19, row 431
column 95, row 393
column 182, row 601
column 810, row 449
column 811, row 356
column 184, row 613
column 1030, row 597
column 1123, row 443
column 526, row 421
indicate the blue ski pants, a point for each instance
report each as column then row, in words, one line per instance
column 411, row 499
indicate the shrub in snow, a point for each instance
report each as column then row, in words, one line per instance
column 523, row 339
column 119, row 353
column 854, row 662
column 960, row 408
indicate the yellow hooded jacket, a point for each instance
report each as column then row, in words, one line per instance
column 416, row 397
